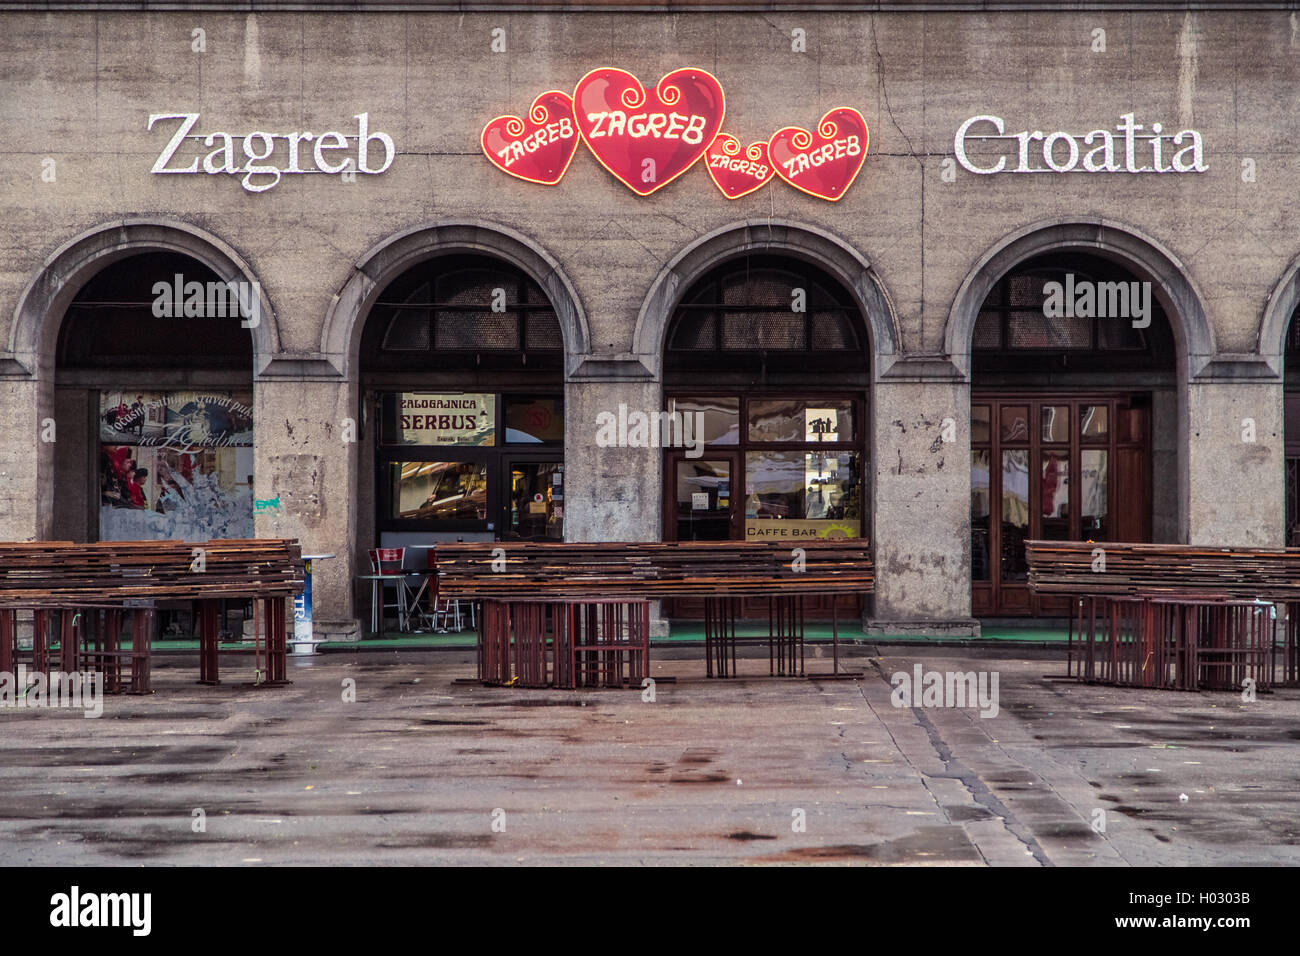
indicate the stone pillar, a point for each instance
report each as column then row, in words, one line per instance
column 26, row 462
column 305, row 481
column 611, row 493
column 921, row 500
column 1236, row 485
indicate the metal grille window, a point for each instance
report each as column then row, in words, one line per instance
column 158, row 310
column 764, row 304
column 1021, row 314
column 466, row 304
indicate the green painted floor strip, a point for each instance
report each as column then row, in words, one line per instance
column 682, row 632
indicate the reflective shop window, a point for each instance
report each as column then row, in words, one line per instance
column 1054, row 496
column 175, row 464
column 1094, row 422
column 1093, row 503
column 721, row 418
column 1056, row 423
column 795, row 420
column 702, row 499
column 819, row 491
column 449, row 490
column 1015, row 513
column 980, row 503
column 979, row 423
column 1015, row 423
column 534, row 420
column 537, row 500
column 456, row 462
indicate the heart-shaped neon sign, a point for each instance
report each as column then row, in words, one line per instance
column 538, row 149
column 822, row 164
column 648, row 138
column 736, row 175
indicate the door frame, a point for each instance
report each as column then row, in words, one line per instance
column 508, row 460
column 668, row 505
column 988, row 598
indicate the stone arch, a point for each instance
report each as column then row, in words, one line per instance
column 1144, row 256
column 43, row 304
column 1276, row 321
column 347, row 313
column 814, row 245
column 33, row 336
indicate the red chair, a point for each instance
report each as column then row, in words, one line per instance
column 385, row 572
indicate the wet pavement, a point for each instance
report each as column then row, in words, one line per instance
column 755, row 770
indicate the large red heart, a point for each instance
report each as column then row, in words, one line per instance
column 648, row 139
column 540, row 149
column 734, row 174
column 822, row 165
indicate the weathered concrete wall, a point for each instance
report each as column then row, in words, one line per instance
column 922, row 507
column 25, row 512
column 78, row 90
column 611, row 494
column 1236, row 491
column 305, row 470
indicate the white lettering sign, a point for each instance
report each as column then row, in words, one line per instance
column 265, row 157
column 1095, row 152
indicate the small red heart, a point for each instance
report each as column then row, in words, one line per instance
column 538, row 150
column 822, row 165
column 734, row 174
column 648, row 139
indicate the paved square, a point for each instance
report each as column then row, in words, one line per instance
column 419, row 770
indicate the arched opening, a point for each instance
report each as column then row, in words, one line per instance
column 1074, row 409
column 153, row 403
column 462, row 376
column 767, row 374
column 1291, row 434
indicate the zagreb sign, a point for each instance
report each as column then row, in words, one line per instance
column 263, row 158
column 646, row 138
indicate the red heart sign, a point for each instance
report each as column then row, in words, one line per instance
column 822, row 165
column 734, row 174
column 648, row 139
column 538, row 150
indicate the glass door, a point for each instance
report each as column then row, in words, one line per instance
column 1055, row 469
column 702, row 504
column 534, row 500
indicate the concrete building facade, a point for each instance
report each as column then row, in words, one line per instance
column 966, row 423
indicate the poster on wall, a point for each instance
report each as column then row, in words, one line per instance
column 175, row 465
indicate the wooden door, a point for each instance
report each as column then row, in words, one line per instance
column 1051, row 467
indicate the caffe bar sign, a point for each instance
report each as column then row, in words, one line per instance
column 1132, row 147
column 648, row 137
column 263, row 158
